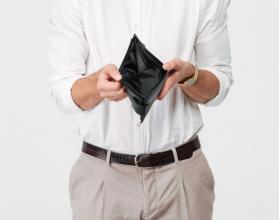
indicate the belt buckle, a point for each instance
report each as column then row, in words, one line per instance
column 145, row 155
column 136, row 161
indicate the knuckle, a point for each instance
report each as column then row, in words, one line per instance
column 101, row 73
column 106, row 67
column 112, row 66
column 178, row 60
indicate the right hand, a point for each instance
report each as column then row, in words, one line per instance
column 109, row 85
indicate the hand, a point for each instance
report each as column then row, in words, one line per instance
column 177, row 71
column 109, row 85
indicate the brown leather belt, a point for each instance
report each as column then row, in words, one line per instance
column 184, row 151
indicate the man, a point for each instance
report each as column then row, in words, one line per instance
column 131, row 170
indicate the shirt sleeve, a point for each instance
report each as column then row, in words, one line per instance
column 212, row 46
column 67, row 55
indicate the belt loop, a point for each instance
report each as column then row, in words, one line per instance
column 108, row 157
column 175, row 155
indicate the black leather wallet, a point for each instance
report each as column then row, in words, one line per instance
column 142, row 75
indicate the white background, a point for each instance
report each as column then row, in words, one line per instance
column 240, row 137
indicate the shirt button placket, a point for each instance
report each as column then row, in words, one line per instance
column 139, row 131
column 136, row 28
column 136, row 25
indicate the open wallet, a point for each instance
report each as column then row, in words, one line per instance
column 142, row 75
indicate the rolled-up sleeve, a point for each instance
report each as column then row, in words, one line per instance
column 67, row 54
column 212, row 46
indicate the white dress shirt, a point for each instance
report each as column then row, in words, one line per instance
column 85, row 35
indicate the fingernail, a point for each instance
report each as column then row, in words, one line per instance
column 119, row 77
column 166, row 66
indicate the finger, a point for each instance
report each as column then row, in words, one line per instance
column 111, row 72
column 119, row 98
column 116, row 98
column 167, row 86
column 111, row 94
column 173, row 64
column 107, row 85
column 115, row 75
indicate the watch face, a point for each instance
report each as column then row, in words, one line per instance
column 191, row 81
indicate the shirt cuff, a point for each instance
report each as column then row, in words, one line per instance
column 225, row 83
column 62, row 94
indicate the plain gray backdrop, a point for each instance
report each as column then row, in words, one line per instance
column 240, row 137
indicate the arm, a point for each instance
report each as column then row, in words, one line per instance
column 85, row 93
column 205, row 88
column 68, row 51
column 215, row 74
column 105, row 83
column 67, row 54
column 213, row 55
column 213, row 59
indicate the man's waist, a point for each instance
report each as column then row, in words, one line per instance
column 184, row 151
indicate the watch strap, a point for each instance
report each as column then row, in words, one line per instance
column 191, row 80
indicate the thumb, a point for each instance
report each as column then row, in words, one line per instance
column 115, row 75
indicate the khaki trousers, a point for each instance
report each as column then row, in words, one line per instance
column 100, row 190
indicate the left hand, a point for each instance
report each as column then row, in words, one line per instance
column 177, row 71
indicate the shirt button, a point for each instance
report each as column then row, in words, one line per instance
column 135, row 26
column 138, row 124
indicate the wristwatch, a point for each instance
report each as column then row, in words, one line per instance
column 190, row 80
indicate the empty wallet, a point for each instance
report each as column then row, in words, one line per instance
column 142, row 75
